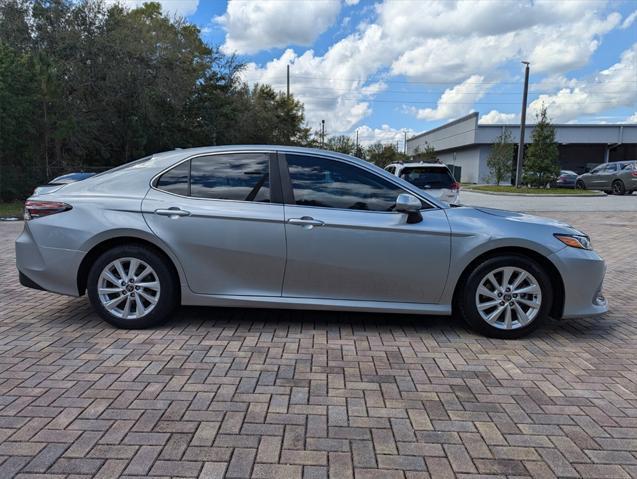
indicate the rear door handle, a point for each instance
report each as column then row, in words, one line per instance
column 306, row 221
column 172, row 212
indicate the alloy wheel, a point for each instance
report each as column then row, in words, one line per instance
column 128, row 288
column 508, row 298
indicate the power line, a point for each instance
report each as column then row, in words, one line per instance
column 409, row 82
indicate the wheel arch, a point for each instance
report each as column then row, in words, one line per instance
column 98, row 249
column 557, row 282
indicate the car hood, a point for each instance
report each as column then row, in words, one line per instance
column 493, row 228
column 524, row 217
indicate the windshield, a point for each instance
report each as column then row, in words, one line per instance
column 427, row 176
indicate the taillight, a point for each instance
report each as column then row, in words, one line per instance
column 455, row 185
column 38, row 209
column 634, row 173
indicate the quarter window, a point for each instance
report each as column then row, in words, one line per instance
column 176, row 179
column 334, row 184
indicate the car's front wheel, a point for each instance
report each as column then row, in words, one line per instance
column 506, row 297
column 580, row 185
column 132, row 287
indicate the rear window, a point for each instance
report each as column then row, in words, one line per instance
column 427, row 177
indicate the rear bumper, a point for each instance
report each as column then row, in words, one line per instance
column 49, row 269
column 583, row 276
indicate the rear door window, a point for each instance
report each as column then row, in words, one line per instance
column 237, row 176
column 426, row 177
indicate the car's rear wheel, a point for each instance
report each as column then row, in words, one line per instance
column 506, row 297
column 619, row 188
column 132, row 287
column 580, row 185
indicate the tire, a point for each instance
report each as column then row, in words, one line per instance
column 580, row 185
column 498, row 267
column 619, row 188
column 144, row 286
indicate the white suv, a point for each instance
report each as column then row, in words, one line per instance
column 434, row 178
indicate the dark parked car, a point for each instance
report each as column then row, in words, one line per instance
column 617, row 177
column 566, row 179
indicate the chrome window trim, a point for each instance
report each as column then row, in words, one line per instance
column 275, row 151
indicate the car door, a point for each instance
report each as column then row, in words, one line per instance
column 344, row 241
column 608, row 175
column 222, row 216
column 594, row 178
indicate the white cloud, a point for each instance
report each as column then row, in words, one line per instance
column 172, row 7
column 632, row 118
column 431, row 41
column 614, row 87
column 333, row 87
column 630, row 19
column 455, row 39
column 352, row 2
column 385, row 134
column 253, row 26
column 495, row 116
column 454, row 102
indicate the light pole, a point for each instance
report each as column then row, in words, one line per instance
column 518, row 167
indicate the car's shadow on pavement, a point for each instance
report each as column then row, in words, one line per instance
column 451, row 327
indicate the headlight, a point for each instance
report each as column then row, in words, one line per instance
column 575, row 241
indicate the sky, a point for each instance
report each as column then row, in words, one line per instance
column 387, row 67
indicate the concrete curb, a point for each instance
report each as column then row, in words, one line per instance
column 547, row 195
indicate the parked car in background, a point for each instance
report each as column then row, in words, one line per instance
column 566, row 179
column 434, row 178
column 56, row 183
column 285, row 227
column 616, row 177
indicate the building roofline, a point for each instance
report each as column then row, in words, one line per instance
column 555, row 125
column 446, row 125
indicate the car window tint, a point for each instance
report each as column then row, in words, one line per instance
column 334, row 184
column 175, row 180
column 629, row 167
column 597, row 169
column 391, row 169
column 427, row 177
column 239, row 176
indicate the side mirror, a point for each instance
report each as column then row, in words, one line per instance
column 406, row 203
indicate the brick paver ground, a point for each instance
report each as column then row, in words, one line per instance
column 292, row 394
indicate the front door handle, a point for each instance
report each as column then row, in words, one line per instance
column 173, row 212
column 306, row 221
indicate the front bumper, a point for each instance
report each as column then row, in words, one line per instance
column 50, row 269
column 583, row 276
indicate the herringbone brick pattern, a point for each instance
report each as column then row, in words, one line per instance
column 291, row 394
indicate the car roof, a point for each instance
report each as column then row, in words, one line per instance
column 420, row 163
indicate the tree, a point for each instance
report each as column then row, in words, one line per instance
column 91, row 84
column 500, row 160
column 426, row 154
column 541, row 159
column 382, row 155
column 341, row 143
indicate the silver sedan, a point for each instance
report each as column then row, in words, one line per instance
column 284, row 227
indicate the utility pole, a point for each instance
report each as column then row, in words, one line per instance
column 356, row 140
column 322, row 133
column 288, row 89
column 405, row 143
column 518, row 168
